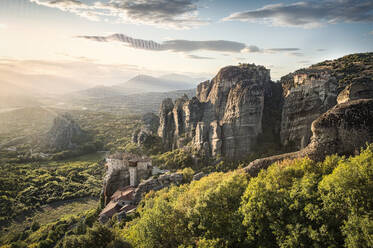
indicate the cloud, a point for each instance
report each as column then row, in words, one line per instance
column 297, row 54
column 251, row 49
column 371, row 32
column 162, row 13
column 282, row 49
column 185, row 46
column 73, row 6
column 192, row 56
column 172, row 45
column 3, row 26
column 309, row 14
column 321, row 50
column 209, row 45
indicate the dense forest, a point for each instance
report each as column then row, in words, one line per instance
column 295, row 203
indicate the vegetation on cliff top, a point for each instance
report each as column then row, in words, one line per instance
column 348, row 69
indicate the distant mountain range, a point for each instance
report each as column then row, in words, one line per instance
column 143, row 84
column 139, row 94
column 134, row 103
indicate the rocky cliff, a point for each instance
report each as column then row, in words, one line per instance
column 343, row 130
column 145, row 134
column 241, row 109
column 310, row 92
column 64, row 134
column 225, row 118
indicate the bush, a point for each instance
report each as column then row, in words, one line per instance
column 303, row 203
column 174, row 160
column 188, row 174
column 204, row 210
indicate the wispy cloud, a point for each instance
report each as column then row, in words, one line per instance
column 309, row 14
column 297, row 54
column 186, row 45
column 192, row 56
column 162, row 13
column 292, row 49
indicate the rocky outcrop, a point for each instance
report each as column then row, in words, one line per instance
column 310, row 92
column 314, row 92
column 151, row 122
column 155, row 184
column 343, row 130
column 145, row 135
column 241, row 110
column 166, row 123
column 356, row 90
column 225, row 118
column 64, row 134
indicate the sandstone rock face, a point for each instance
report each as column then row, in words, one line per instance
column 240, row 109
column 313, row 93
column 166, row 123
column 64, row 134
column 225, row 118
column 150, row 127
column 342, row 130
column 357, row 90
column 310, row 92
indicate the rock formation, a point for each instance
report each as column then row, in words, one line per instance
column 241, row 110
column 343, row 130
column 225, row 118
column 149, row 129
column 64, row 134
column 310, row 92
column 356, row 90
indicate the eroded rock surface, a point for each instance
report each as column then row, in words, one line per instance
column 225, row 118
column 146, row 134
column 64, row 134
column 343, row 130
column 310, row 92
column 357, row 90
column 241, row 110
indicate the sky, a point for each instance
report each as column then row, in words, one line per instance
column 105, row 42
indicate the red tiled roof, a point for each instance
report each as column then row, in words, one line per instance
column 109, row 209
column 124, row 193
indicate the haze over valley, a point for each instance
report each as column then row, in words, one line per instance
column 186, row 123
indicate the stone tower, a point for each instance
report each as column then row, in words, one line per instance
column 133, row 173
